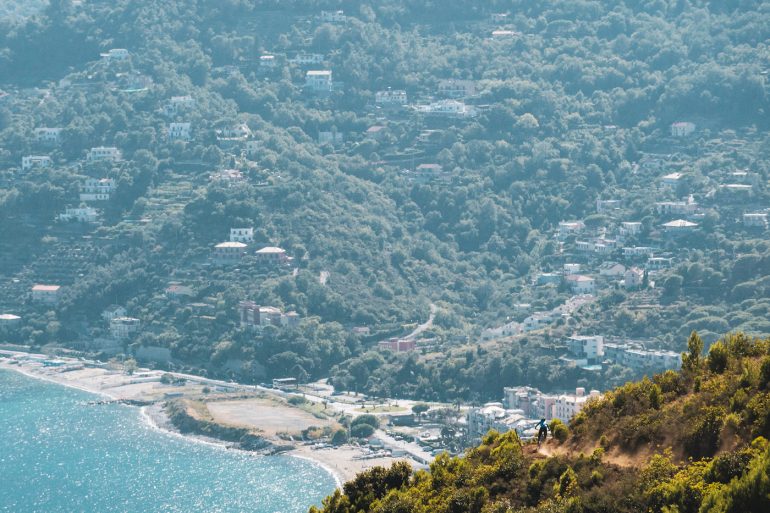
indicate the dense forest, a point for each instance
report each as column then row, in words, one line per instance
column 571, row 102
column 689, row 441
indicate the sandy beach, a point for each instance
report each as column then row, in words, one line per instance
column 228, row 404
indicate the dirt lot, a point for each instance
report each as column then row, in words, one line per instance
column 269, row 416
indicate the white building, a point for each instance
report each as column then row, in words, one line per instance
column 688, row 207
column 177, row 104
column 583, row 346
column 637, row 252
column 567, row 406
column 267, row 62
column 452, row 108
column 756, row 220
column 682, row 129
column 123, row 327
column 581, row 284
column 492, row 416
column 35, row 161
column 333, row 17
column 112, row 312
column 567, row 228
column 46, row 135
column 679, row 226
column 612, row 270
column 97, row 189
column 245, row 235
column 319, row 81
column 570, row 268
column 47, row 294
column 9, row 322
column 79, row 214
column 536, row 321
column 633, row 278
column 672, row 179
column 272, row 256
column 607, row 205
column 630, row 228
column 454, row 88
column 390, row 98
column 101, row 153
column 116, row 55
column 228, row 252
column 307, row 59
column 179, row 131
column 236, row 132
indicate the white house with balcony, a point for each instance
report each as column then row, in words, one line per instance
column 590, row 347
column 124, row 327
column 79, row 214
column 390, row 98
column 581, row 284
column 755, row 220
column 179, row 131
column 682, row 129
column 456, row 88
column 116, row 55
column 567, row 406
column 319, row 81
column 103, row 153
column 48, row 135
column 35, row 161
column 97, row 189
column 244, row 235
column 177, row 104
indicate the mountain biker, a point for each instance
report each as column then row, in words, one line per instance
column 542, row 433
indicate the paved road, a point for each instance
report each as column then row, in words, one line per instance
column 424, row 326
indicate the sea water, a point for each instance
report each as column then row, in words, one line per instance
column 58, row 453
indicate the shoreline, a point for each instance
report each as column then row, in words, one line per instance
column 341, row 463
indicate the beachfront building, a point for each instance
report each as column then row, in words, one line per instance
column 123, row 327
column 9, row 322
column 493, row 416
column 46, row 294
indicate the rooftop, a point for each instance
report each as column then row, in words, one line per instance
column 230, row 245
column 46, row 288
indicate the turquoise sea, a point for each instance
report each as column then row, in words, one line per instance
column 60, row 454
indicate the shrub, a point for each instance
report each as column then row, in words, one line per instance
column 764, row 372
column 703, row 439
column 366, row 419
column 717, row 359
column 296, row 400
column 361, row 431
column 339, row 437
column 558, row 430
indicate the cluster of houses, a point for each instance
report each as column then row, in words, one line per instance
column 537, row 320
column 590, row 352
column 522, row 409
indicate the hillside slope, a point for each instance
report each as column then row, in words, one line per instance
column 693, row 441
